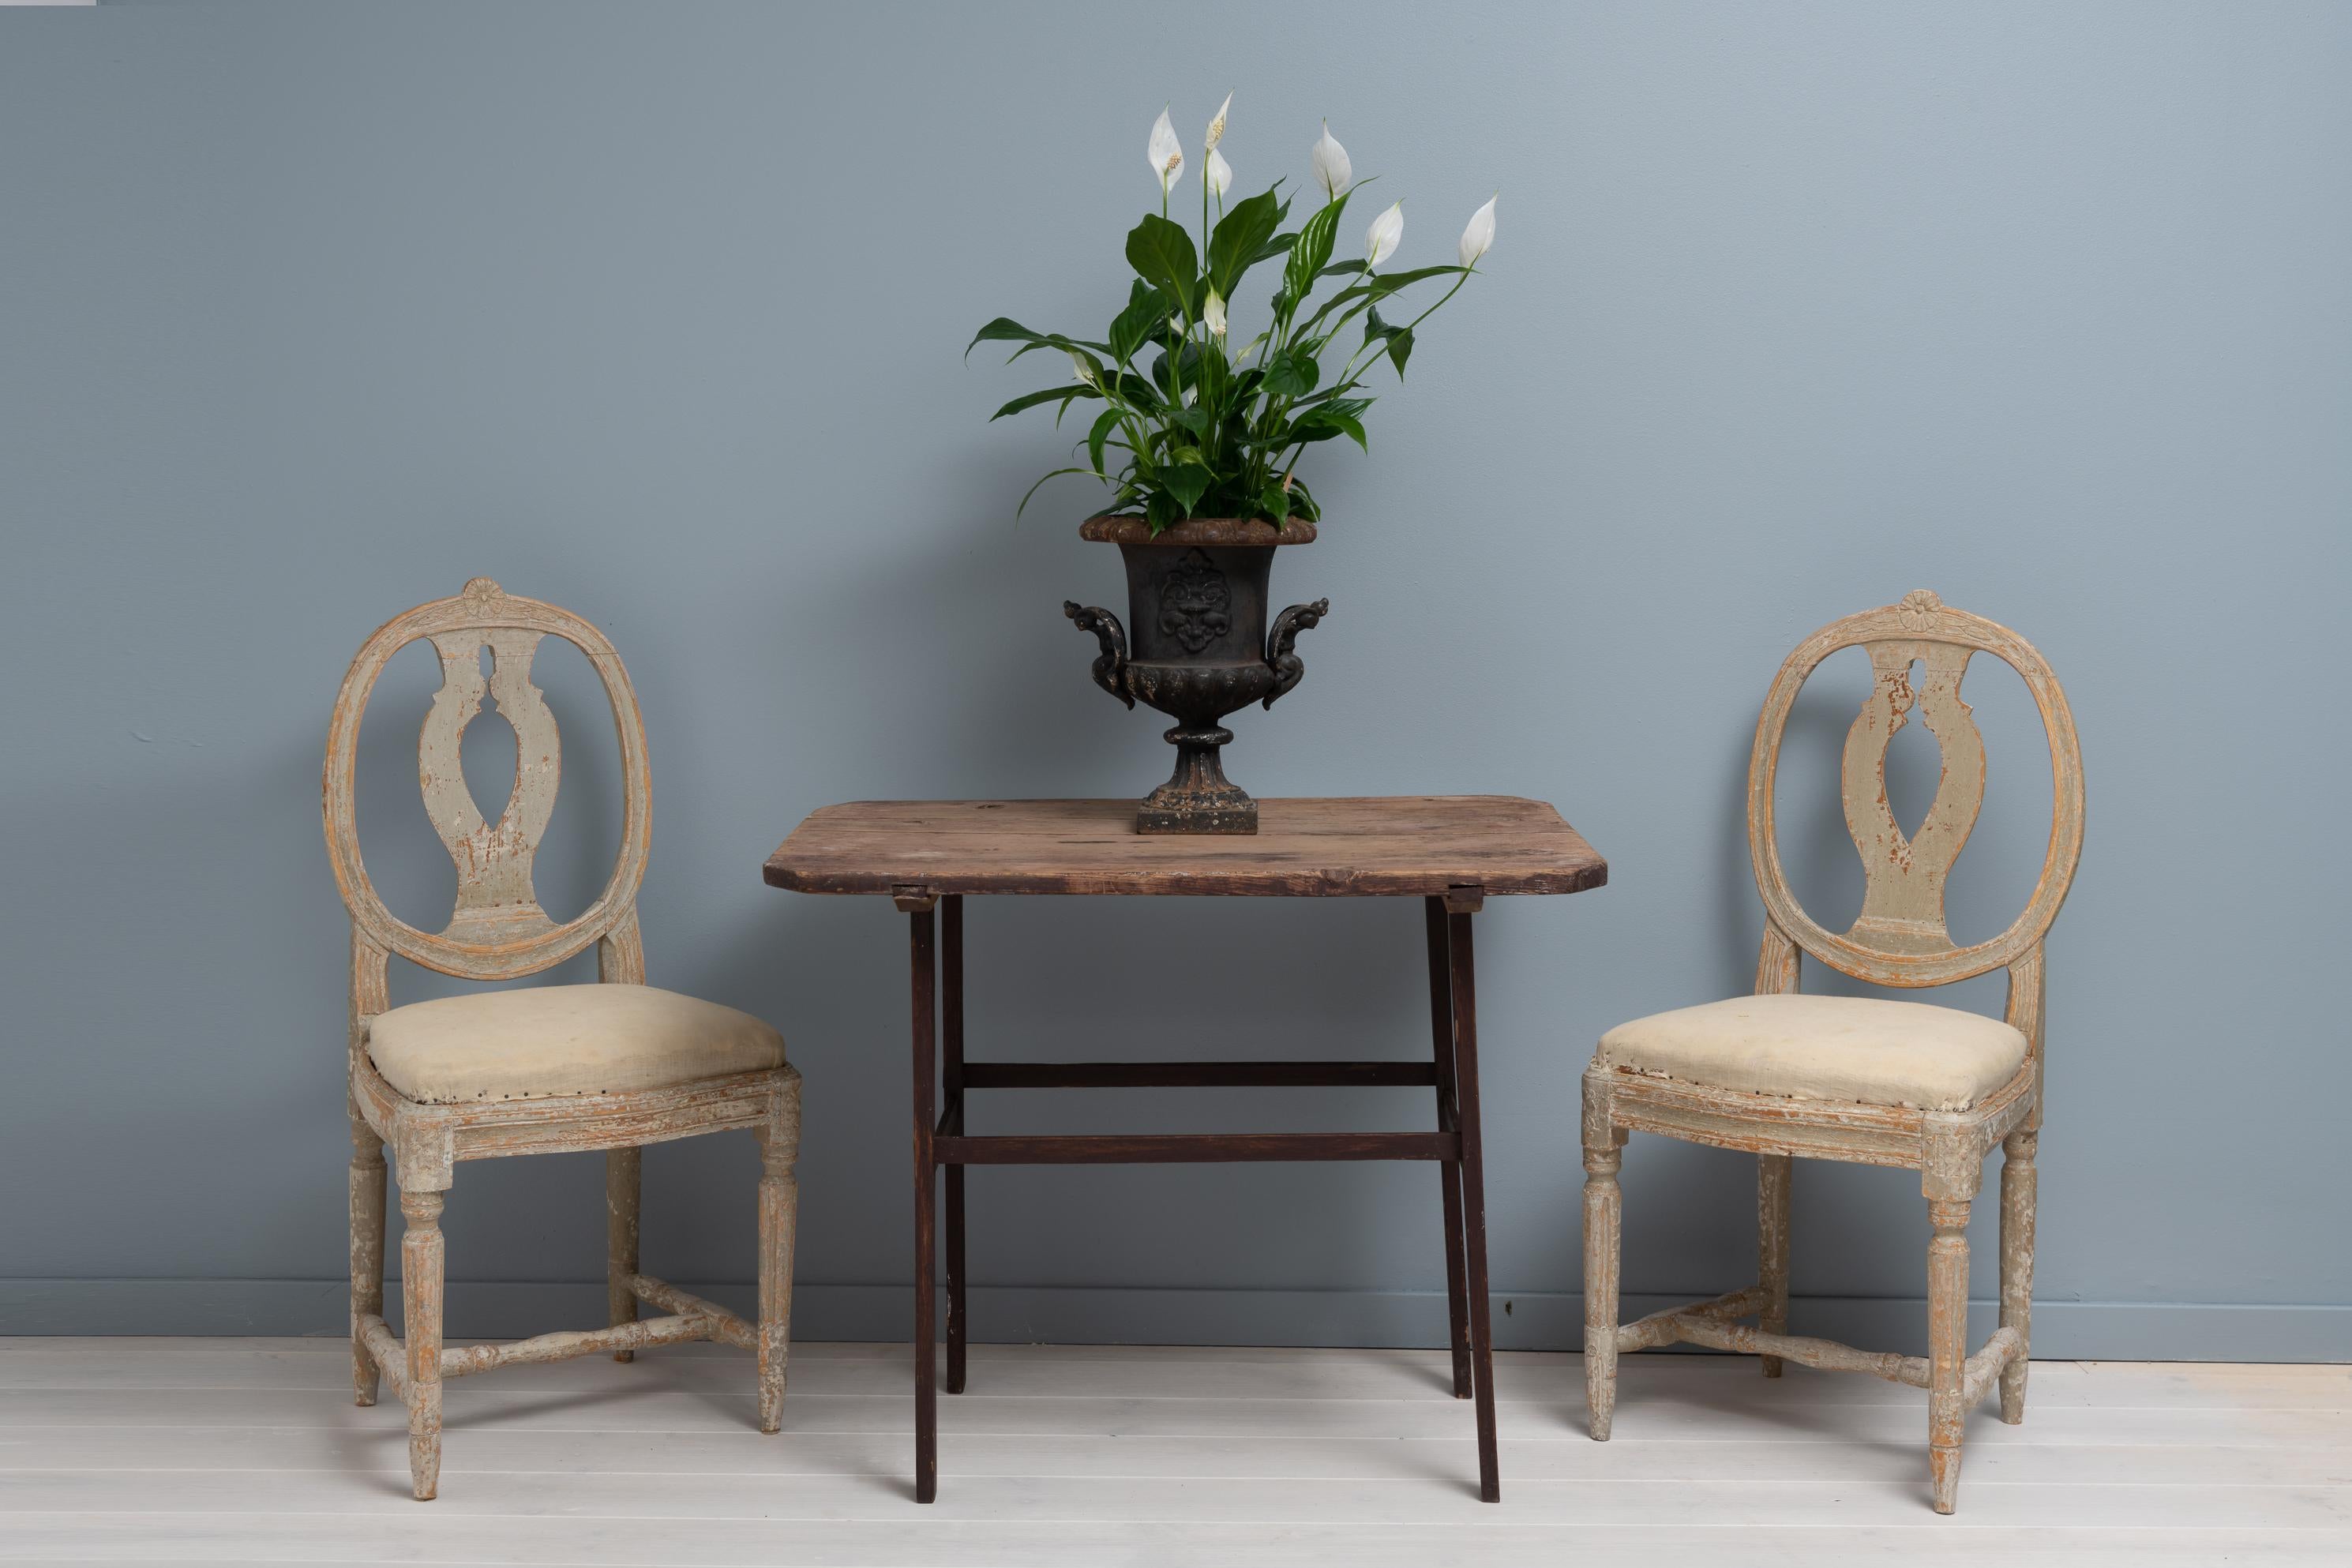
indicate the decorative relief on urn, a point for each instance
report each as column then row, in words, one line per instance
column 1195, row 606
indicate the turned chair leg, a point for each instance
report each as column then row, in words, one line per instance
column 778, row 1219
column 1603, row 1213
column 2017, row 1263
column 421, row 1265
column 1947, row 1345
column 623, row 1186
column 1773, row 1173
column 367, row 1251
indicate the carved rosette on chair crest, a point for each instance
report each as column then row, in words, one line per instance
column 1196, row 646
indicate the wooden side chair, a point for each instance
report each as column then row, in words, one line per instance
column 1880, row 1083
column 611, row 1066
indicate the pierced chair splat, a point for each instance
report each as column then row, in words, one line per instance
column 553, row 1068
column 1782, row 1074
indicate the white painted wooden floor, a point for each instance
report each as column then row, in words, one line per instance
column 250, row 1451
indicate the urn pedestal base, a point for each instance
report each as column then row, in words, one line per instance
column 1197, row 797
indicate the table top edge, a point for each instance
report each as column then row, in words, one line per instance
column 1562, row 861
column 1581, row 878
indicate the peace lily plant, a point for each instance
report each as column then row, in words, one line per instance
column 1194, row 426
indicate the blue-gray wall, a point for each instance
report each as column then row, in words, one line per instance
column 308, row 313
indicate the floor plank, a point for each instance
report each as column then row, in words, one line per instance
column 519, row 1401
column 381, row 1446
column 1269, row 1500
column 161, row 1450
column 918, row 1542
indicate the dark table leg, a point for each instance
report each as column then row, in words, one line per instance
column 927, row 1412
column 1441, row 1024
column 952, row 1083
column 1474, row 1193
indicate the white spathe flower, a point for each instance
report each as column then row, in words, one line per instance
column 1213, row 313
column 1381, row 239
column 1217, row 175
column 1166, row 153
column 1479, row 237
column 1332, row 170
column 1082, row 365
column 1217, row 125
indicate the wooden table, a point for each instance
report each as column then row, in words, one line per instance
column 1452, row 852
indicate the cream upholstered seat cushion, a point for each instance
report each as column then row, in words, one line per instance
column 1825, row 1048
column 548, row 1040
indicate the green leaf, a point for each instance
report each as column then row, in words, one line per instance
column 1187, row 482
column 1056, row 474
column 1336, row 390
column 1234, row 243
column 1291, row 375
column 1273, row 504
column 1105, row 423
column 1134, row 391
column 1057, row 341
column 1401, row 349
column 1379, row 285
column 1142, row 321
column 1335, row 418
column 1004, row 329
column 1312, row 249
column 1397, row 340
column 1279, row 245
column 1390, row 282
column 1032, row 399
column 1162, row 254
column 1162, row 509
column 1351, row 429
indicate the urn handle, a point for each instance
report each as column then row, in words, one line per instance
column 1110, row 666
column 1288, row 668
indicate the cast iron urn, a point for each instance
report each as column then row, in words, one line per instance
column 1196, row 646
